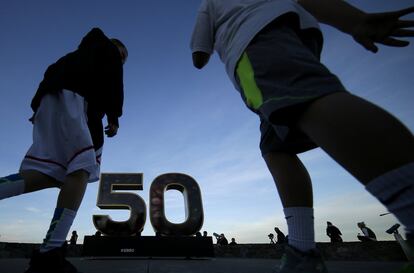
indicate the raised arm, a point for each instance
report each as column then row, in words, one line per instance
column 336, row 13
column 366, row 28
column 202, row 39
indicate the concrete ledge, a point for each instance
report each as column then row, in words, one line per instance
column 18, row 250
column 367, row 251
column 349, row 251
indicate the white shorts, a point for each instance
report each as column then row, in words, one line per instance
column 62, row 143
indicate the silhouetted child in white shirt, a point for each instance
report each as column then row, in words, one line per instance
column 271, row 51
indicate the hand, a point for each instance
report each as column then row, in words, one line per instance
column 111, row 130
column 382, row 28
column 200, row 59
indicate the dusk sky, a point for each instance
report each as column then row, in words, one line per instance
column 179, row 119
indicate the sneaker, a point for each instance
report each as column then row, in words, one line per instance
column 295, row 261
column 52, row 261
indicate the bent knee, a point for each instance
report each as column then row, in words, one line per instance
column 35, row 180
column 79, row 175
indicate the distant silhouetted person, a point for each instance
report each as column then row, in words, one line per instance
column 333, row 232
column 222, row 241
column 205, row 233
column 271, row 51
column 233, row 242
column 217, row 236
column 98, row 233
column 281, row 238
column 271, row 237
column 367, row 234
column 73, row 238
column 198, row 234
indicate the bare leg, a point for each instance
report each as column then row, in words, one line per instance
column 73, row 190
column 366, row 140
column 291, row 178
column 69, row 200
column 295, row 191
column 35, row 181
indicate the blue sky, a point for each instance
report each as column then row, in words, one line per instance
column 179, row 119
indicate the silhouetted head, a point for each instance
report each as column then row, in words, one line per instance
column 122, row 49
column 329, row 223
column 205, row 233
column 277, row 229
column 233, row 240
column 74, row 232
column 361, row 224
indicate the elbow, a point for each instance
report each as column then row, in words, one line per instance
column 306, row 4
column 302, row 2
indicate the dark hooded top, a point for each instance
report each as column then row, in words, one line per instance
column 93, row 71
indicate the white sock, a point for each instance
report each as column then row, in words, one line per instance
column 59, row 229
column 11, row 185
column 300, row 222
column 395, row 190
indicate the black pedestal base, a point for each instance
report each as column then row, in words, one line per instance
column 148, row 246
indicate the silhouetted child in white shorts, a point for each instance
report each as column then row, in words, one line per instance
column 75, row 94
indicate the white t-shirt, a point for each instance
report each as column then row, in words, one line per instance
column 228, row 26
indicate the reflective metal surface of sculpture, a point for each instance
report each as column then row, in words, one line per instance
column 108, row 198
column 193, row 204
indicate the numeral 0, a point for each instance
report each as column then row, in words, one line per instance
column 108, row 198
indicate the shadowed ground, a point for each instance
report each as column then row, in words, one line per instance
column 216, row 265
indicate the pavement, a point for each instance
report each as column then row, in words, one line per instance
column 215, row 265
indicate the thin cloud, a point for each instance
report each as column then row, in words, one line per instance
column 33, row 209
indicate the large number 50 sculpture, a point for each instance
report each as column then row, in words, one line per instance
column 108, row 198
